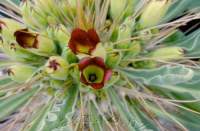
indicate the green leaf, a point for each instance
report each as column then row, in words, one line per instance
column 178, row 8
column 5, row 81
column 11, row 104
column 176, row 78
column 191, row 44
column 125, row 114
column 65, row 112
column 142, row 118
column 37, row 122
column 188, row 119
column 95, row 120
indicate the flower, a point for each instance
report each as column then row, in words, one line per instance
column 26, row 39
column 94, row 72
column 83, row 42
column 154, row 12
column 35, row 41
column 57, row 68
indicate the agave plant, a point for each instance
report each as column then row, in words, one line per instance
column 100, row 65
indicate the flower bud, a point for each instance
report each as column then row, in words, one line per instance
column 154, row 12
column 57, row 68
column 34, row 42
column 145, row 64
column 99, row 51
column 8, row 27
column 69, row 56
column 117, row 7
column 167, row 53
column 113, row 59
column 134, row 49
column 61, row 36
column 125, row 29
column 56, row 84
column 21, row 73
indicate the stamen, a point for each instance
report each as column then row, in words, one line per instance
column 92, row 77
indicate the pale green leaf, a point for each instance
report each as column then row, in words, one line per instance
column 176, row 78
column 125, row 114
column 191, row 44
column 12, row 103
column 38, row 121
column 95, row 120
column 65, row 112
column 178, row 8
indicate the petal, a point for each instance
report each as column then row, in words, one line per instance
column 84, row 63
column 93, row 36
column 107, row 75
column 82, row 41
column 97, row 86
column 78, row 35
column 83, row 80
column 98, row 61
column 79, row 41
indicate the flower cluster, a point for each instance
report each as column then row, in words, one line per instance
column 93, row 69
column 119, row 62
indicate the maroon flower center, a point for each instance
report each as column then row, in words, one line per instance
column 54, row 65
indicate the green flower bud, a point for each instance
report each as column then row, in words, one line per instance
column 117, row 7
column 134, row 49
column 113, row 59
column 130, row 7
column 168, row 53
column 69, row 56
column 125, row 29
column 21, row 73
column 8, row 27
column 61, row 36
column 56, row 84
column 57, row 68
column 99, row 51
column 154, row 12
column 45, row 45
column 147, row 64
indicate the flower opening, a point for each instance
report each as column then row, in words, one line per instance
column 94, row 72
column 26, row 39
column 83, row 42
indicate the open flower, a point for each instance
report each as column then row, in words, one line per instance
column 94, row 72
column 29, row 40
column 26, row 39
column 83, row 42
